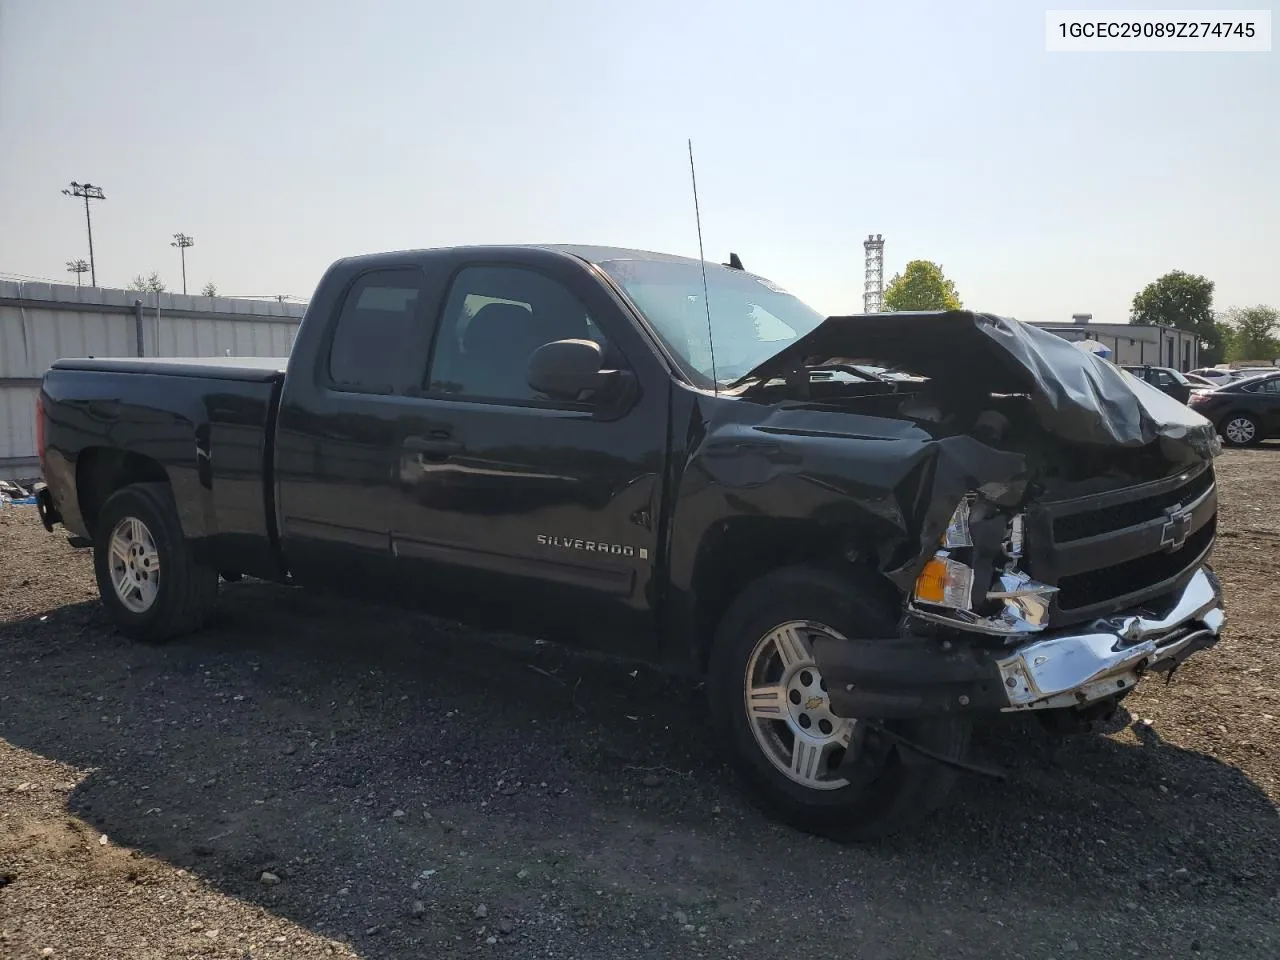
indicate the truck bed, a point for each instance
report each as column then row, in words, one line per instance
column 205, row 425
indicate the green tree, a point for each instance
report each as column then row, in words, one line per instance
column 1183, row 300
column 151, row 284
column 210, row 289
column 1255, row 333
column 921, row 286
column 1226, row 341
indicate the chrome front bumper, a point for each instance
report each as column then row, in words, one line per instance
column 1072, row 669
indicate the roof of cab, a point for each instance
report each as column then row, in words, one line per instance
column 600, row 254
column 590, row 252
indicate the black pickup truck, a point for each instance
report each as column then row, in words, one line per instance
column 862, row 530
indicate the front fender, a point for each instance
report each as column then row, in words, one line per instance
column 798, row 482
column 887, row 485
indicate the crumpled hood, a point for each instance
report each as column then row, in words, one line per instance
column 1076, row 395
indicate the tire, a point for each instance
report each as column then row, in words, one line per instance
column 1240, row 430
column 894, row 791
column 168, row 592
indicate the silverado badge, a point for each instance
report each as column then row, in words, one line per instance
column 593, row 546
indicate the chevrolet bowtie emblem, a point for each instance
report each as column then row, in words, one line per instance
column 813, row 703
column 1174, row 532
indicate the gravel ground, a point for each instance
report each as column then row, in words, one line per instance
column 311, row 778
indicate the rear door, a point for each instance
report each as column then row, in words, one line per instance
column 540, row 513
column 337, row 429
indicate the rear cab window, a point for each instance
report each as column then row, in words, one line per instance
column 380, row 333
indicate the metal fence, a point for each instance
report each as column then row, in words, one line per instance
column 42, row 322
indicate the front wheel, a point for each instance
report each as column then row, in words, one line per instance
column 151, row 583
column 1240, row 430
column 771, row 705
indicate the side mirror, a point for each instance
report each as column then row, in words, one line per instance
column 571, row 370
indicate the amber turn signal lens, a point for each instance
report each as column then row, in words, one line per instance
column 931, row 585
column 945, row 582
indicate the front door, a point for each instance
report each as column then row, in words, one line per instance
column 541, row 515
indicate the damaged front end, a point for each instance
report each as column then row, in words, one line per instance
column 929, row 673
column 1055, row 547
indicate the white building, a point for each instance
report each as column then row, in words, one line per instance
column 1132, row 343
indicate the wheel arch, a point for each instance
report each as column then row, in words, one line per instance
column 101, row 471
column 743, row 550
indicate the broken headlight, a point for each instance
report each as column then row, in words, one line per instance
column 958, row 533
column 982, row 542
column 948, row 577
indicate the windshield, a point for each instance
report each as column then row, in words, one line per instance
column 751, row 317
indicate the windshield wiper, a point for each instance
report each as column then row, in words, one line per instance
column 854, row 370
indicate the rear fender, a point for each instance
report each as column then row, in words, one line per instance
column 100, row 471
column 104, row 430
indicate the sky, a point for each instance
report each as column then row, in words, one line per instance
column 284, row 135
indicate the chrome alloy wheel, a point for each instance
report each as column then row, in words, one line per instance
column 134, row 563
column 789, row 710
column 1240, row 430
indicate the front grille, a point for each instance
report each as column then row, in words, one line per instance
column 1092, row 523
column 1106, row 552
column 1098, row 586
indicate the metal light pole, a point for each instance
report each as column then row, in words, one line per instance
column 77, row 267
column 182, row 241
column 89, row 192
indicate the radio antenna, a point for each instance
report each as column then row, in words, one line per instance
column 702, row 260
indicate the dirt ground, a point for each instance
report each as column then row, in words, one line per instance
column 313, row 778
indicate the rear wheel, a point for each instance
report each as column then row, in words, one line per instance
column 1240, row 430
column 771, row 705
column 150, row 582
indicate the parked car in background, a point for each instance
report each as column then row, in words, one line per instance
column 1245, row 411
column 1165, row 379
column 1198, row 381
column 1218, row 376
column 1243, row 373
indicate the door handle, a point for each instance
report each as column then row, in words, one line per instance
column 437, row 447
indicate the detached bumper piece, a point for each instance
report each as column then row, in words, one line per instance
column 903, row 677
column 1111, row 655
